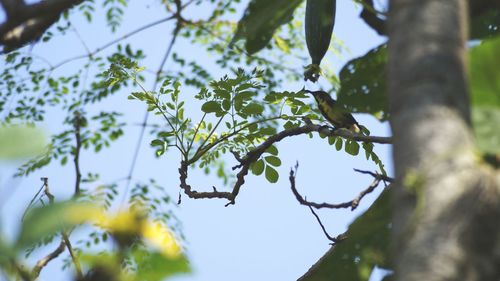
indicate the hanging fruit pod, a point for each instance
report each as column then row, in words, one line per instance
column 319, row 22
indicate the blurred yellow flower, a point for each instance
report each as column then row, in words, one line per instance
column 162, row 238
column 128, row 224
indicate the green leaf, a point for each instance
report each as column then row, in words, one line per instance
column 338, row 144
column 362, row 83
column 331, row 140
column 485, row 73
column 42, row 222
column 253, row 109
column 18, row 142
column 226, row 105
column 485, row 89
column 257, row 167
column 352, row 147
column 368, row 147
column 268, row 131
column 6, row 253
column 211, row 106
column 273, row 160
column 272, row 150
column 366, row 246
column 271, row 174
column 260, row 21
column 154, row 266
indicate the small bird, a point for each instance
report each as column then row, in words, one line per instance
column 334, row 113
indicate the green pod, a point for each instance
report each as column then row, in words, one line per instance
column 320, row 19
column 319, row 22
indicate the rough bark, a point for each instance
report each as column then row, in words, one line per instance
column 446, row 220
column 26, row 23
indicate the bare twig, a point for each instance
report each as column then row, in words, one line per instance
column 353, row 204
column 376, row 175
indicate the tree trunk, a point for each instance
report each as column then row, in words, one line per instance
column 446, row 223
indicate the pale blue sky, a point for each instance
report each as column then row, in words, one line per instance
column 267, row 235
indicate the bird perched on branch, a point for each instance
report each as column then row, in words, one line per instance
column 338, row 116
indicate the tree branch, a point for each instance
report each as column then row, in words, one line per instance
column 371, row 18
column 45, row 260
column 255, row 154
column 476, row 8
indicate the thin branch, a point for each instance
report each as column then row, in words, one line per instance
column 111, row 43
column 202, row 149
column 371, row 18
column 45, row 260
column 334, row 240
column 146, row 115
column 78, row 146
column 353, row 204
column 65, row 236
column 123, row 37
column 195, row 133
column 255, row 154
column 74, row 258
column 87, row 49
column 32, row 201
column 376, row 175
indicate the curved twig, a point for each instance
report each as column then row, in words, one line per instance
column 353, row 204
